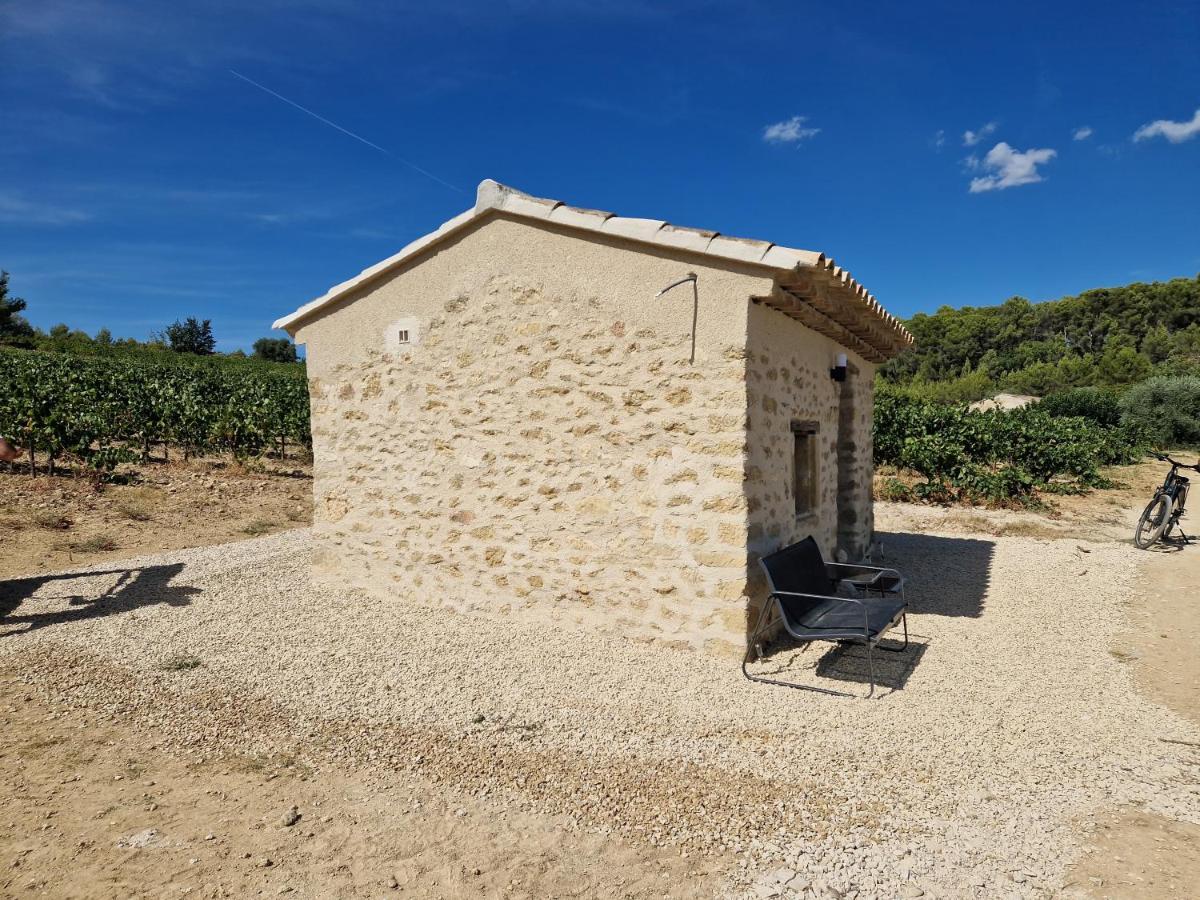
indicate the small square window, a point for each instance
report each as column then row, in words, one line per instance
column 402, row 336
column 804, row 467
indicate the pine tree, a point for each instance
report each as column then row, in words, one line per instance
column 13, row 327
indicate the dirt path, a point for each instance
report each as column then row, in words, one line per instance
column 94, row 808
column 1134, row 854
column 1129, row 853
column 1163, row 643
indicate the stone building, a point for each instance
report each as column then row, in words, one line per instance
column 507, row 418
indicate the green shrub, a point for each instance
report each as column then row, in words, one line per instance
column 895, row 491
column 1095, row 405
column 1165, row 410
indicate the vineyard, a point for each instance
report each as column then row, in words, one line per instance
column 102, row 411
column 996, row 456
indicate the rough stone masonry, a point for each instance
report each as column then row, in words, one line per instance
column 510, row 423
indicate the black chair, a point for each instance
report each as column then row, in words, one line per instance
column 804, row 594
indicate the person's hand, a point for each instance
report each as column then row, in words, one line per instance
column 8, row 452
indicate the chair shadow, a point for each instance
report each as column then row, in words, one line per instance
column 134, row 589
column 790, row 660
column 893, row 667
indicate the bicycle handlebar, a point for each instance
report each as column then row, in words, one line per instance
column 1174, row 462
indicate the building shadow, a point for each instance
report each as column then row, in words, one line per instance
column 76, row 598
column 945, row 576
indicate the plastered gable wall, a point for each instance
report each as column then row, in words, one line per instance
column 546, row 446
column 788, row 380
column 621, row 275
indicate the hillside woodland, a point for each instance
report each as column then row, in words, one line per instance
column 1107, row 337
column 1118, row 371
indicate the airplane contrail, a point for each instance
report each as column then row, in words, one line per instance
column 345, row 131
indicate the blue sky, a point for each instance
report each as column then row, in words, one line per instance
column 142, row 181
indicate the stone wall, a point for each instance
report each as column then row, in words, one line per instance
column 568, row 465
column 543, row 444
column 787, row 381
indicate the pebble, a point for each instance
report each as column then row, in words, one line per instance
column 290, row 817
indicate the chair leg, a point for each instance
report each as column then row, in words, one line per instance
column 793, row 685
column 901, row 649
column 871, row 669
column 752, row 644
column 754, row 648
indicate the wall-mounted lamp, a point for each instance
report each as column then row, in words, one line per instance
column 838, row 372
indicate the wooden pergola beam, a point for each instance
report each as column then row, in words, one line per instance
column 842, row 304
column 799, row 309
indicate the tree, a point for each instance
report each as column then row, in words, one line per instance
column 1090, row 330
column 1167, row 410
column 14, row 329
column 192, row 336
column 275, row 349
column 1124, row 366
column 1157, row 344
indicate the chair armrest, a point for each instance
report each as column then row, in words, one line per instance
column 817, row 596
column 847, row 571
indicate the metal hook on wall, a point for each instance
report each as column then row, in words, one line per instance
column 692, row 277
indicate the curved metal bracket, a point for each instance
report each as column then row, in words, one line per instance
column 693, row 278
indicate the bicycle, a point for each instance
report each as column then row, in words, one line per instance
column 1162, row 514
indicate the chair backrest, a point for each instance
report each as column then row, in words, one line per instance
column 799, row 568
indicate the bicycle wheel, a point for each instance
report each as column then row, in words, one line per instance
column 1153, row 522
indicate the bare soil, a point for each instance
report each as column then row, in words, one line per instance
column 51, row 524
column 81, row 785
column 94, row 808
column 1135, row 854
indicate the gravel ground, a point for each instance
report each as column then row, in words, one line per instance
column 998, row 737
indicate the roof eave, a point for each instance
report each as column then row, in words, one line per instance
column 786, row 263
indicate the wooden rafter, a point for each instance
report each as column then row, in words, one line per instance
column 829, row 296
column 797, row 308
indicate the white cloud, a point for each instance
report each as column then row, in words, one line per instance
column 939, row 139
column 791, row 131
column 971, row 138
column 1009, row 168
column 1175, row 132
column 19, row 211
column 1082, row 133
